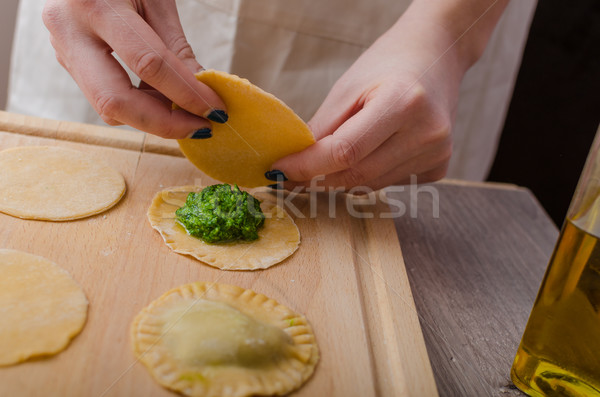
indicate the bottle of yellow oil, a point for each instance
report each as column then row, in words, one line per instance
column 559, row 354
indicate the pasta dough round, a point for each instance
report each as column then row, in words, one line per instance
column 260, row 130
column 41, row 307
column 277, row 239
column 56, row 184
column 208, row 339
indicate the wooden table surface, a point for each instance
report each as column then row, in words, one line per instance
column 474, row 267
column 474, row 270
column 348, row 278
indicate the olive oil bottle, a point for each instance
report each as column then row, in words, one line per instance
column 559, row 354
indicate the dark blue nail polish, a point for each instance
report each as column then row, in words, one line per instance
column 275, row 186
column 275, row 175
column 218, row 116
column 202, row 133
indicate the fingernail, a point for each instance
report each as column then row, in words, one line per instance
column 202, row 133
column 218, row 116
column 275, row 186
column 275, row 175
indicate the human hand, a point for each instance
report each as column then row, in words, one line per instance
column 148, row 37
column 390, row 115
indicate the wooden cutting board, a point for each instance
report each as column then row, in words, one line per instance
column 348, row 277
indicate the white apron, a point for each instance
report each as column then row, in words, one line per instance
column 295, row 50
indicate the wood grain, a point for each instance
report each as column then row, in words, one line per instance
column 348, row 278
column 474, row 270
column 89, row 134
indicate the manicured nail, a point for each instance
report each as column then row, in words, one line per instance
column 275, row 186
column 218, row 116
column 275, row 175
column 202, row 133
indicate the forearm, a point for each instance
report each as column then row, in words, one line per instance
column 390, row 116
column 460, row 28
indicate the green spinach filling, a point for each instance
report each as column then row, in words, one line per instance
column 220, row 213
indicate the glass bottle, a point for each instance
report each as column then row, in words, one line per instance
column 559, row 353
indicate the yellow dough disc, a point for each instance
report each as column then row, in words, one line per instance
column 277, row 239
column 41, row 307
column 261, row 129
column 56, row 184
column 218, row 340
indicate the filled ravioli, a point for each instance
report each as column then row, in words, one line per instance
column 277, row 239
column 209, row 339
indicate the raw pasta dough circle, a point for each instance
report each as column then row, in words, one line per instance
column 184, row 341
column 277, row 239
column 56, row 184
column 41, row 307
column 260, row 130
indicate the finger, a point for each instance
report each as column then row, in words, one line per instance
column 108, row 88
column 391, row 178
column 426, row 165
column 338, row 106
column 404, row 152
column 387, row 166
column 148, row 89
column 157, row 95
column 147, row 56
column 352, row 141
column 401, row 175
column 162, row 16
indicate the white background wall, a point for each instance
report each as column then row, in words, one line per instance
column 8, row 12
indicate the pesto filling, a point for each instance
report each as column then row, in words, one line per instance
column 220, row 213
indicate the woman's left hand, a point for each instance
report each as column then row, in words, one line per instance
column 390, row 115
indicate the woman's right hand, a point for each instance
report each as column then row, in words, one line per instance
column 149, row 39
